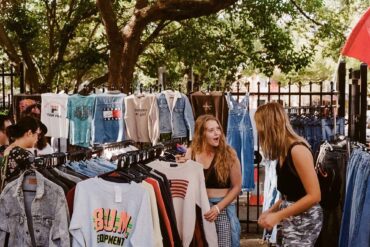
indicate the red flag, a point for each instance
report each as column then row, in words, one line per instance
column 358, row 42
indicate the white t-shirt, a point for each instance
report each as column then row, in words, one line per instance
column 111, row 214
column 46, row 150
column 54, row 114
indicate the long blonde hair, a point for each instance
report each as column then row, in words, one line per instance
column 274, row 131
column 225, row 156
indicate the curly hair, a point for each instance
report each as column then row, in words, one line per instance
column 225, row 156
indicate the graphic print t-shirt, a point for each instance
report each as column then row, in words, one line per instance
column 54, row 114
column 111, row 214
column 80, row 115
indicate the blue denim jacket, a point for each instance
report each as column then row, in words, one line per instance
column 108, row 123
column 180, row 115
column 50, row 217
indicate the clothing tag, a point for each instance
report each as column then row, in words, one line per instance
column 117, row 194
column 32, row 181
column 173, row 165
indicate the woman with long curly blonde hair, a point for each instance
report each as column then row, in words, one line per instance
column 298, row 212
column 222, row 177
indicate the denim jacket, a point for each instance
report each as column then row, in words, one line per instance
column 108, row 123
column 180, row 115
column 50, row 217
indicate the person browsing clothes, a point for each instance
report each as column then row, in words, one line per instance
column 298, row 213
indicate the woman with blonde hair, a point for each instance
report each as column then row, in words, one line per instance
column 222, row 177
column 298, row 213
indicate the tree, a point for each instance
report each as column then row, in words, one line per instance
column 50, row 37
column 126, row 43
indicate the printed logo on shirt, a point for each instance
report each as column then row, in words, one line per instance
column 141, row 112
column 107, row 220
column 207, row 107
column 82, row 112
column 178, row 187
column 54, row 110
column 112, row 113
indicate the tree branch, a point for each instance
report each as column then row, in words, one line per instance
column 300, row 10
column 177, row 10
column 8, row 46
column 153, row 35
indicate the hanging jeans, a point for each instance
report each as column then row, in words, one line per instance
column 240, row 137
column 358, row 173
column 234, row 221
column 328, row 128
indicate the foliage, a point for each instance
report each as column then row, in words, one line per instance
column 302, row 39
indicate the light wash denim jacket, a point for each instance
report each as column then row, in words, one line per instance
column 49, row 215
column 178, row 119
column 108, row 124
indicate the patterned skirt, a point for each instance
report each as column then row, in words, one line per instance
column 302, row 229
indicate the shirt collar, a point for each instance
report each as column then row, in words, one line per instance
column 40, row 187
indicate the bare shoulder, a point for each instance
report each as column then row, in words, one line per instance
column 301, row 153
column 300, row 149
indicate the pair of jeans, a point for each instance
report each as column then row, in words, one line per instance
column 358, row 171
column 359, row 192
column 234, row 221
column 270, row 194
column 363, row 237
column 240, row 137
column 328, row 128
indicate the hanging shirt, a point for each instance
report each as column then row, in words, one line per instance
column 54, row 114
column 80, row 114
column 141, row 118
column 158, row 241
column 213, row 103
column 188, row 191
column 174, row 108
column 108, row 123
column 111, row 214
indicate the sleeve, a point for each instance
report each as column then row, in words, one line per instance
column 153, row 123
column 155, row 215
column 79, row 214
column 130, row 120
column 189, row 117
column 4, row 229
column 60, row 232
column 203, row 203
column 142, row 234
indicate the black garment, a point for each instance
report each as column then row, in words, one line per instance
column 288, row 182
column 164, row 185
column 212, row 180
column 329, row 235
column 213, row 103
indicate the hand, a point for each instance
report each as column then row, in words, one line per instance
column 269, row 220
column 263, row 216
column 212, row 214
column 180, row 158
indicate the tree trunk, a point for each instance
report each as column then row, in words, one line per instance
column 115, row 42
column 32, row 76
column 131, row 36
